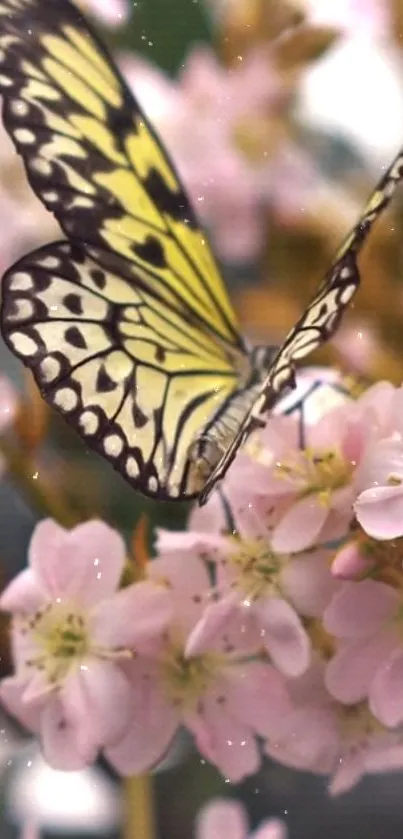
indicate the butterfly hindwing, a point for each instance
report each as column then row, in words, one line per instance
column 94, row 161
column 136, row 380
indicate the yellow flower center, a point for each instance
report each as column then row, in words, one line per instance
column 357, row 722
column 257, row 567
column 320, row 473
column 61, row 637
column 187, row 680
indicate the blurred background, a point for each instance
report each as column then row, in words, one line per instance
column 280, row 117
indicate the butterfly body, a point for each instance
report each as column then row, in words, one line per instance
column 126, row 324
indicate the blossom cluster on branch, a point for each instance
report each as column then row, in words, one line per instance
column 272, row 625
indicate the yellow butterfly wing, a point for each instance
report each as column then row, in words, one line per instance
column 137, row 380
column 318, row 323
column 94, row 161
column 127, row 327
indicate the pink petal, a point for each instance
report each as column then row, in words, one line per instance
column 83, row 564
column 153, row 725
column 131, row 616
column 224, row 741
column 256, row 694
column 64, row 747
column 360, row 609
column 210, row 518
column 300, row 527
column 307, row 582
column 189, row 584
column 350, row 563
column 97, row 698
column 383, row 459
column 220, row 818
column 283, row 635
column 12, row 691
column 272, row 829
column 354, row 439
column 387, row 691
column 380, row 511
column 350, row 672
column 24, row 593
column 350, row 770
column 171, row 542
column 307, row 740
column 38, row 688
column 211, row 625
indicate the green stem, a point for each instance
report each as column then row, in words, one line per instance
column 139, row 808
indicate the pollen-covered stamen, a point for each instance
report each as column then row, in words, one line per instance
column 186, row 680
column 317, row 473
column 59, row 639
column 357, row 724
column 257, row 567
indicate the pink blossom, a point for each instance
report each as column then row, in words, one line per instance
column 222, row 696
column 367, row 618
column 71, row 631
column 227, row 160
column 109, row 12
column 222, row 818
column 311, row 469
column 272, row 589
column 329, row 738
column 379, row 506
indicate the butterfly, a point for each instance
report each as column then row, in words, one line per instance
column 126, row 323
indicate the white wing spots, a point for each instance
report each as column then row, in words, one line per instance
column 153, row 484
column 347, row 294
column 49, row 262
column 24, row 136
column 132, row 467
column 50, row 369
column 21, row 281
column 81, row 201
column 89, row 422
column 22, row 310
column 23, row 344
column 19, row 107
column 42, row 167
column 5, row 81
column 66, row 399
column 113, row 445
column 50, row 197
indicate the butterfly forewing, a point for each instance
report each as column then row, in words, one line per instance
column 94, row 161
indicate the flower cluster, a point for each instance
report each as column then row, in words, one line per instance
column 272, row 625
